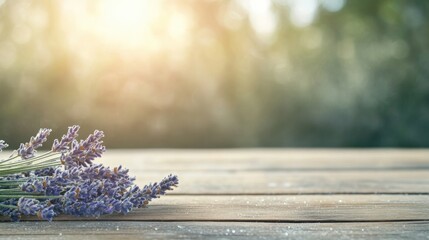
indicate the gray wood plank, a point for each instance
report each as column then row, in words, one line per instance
column 259, row 171
column 267, row 159
column 283, row 182
column 212, row 230
column 296, row 208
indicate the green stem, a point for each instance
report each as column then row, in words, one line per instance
column 29, row 196
column 8, row 206
column 10, row 190
column 25, row 165
column 12, row 184
column 17, row 181
column 43, row 157
column 21, row 194
column 26, row 169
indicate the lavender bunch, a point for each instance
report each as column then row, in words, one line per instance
column 65, row 180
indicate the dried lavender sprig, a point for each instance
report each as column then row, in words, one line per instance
column 142, row 197
column 95, row 199
column 85, row 151
column 3, row 145
column 82, row 189
column 92, row 195
column 66, row 140
column 89, row 149
column 97, row 190
column 28, row 149
column 26, row 206
column 29, row 206
column 81, row 153
column 63, row 180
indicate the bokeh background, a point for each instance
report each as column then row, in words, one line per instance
column 226, row 73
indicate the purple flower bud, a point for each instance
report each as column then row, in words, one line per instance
column 28, row 150
column 47, row 213
column 29, row 206
column 34, row 186
column 45, row 172
column 126, row 206
column 3, row 144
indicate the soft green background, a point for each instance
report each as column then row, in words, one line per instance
column 212, row 73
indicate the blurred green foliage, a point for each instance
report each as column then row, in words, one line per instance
column 239, row 74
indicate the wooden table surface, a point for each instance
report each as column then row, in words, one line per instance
column 263, row 194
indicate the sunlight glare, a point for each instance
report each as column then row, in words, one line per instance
column 125, row 20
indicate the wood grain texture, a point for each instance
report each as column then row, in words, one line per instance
column 296, row 208
column 265, row 159
column 262, row 193
column 269, row 159
column 283, row 182
column 212, row 230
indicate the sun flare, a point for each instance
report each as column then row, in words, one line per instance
column 129, row 24
column 127, row 19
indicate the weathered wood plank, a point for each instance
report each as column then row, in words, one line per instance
column 213, row 230
column 266, row 159
column 299, row 208
column 282, row 172
column 269, row 159
column 280, row 182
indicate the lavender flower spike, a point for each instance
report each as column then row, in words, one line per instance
column 28, row 150
column 29, row 206
column 3, row 144
column 66, row 140
column 141, row 197
column 84, row 152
